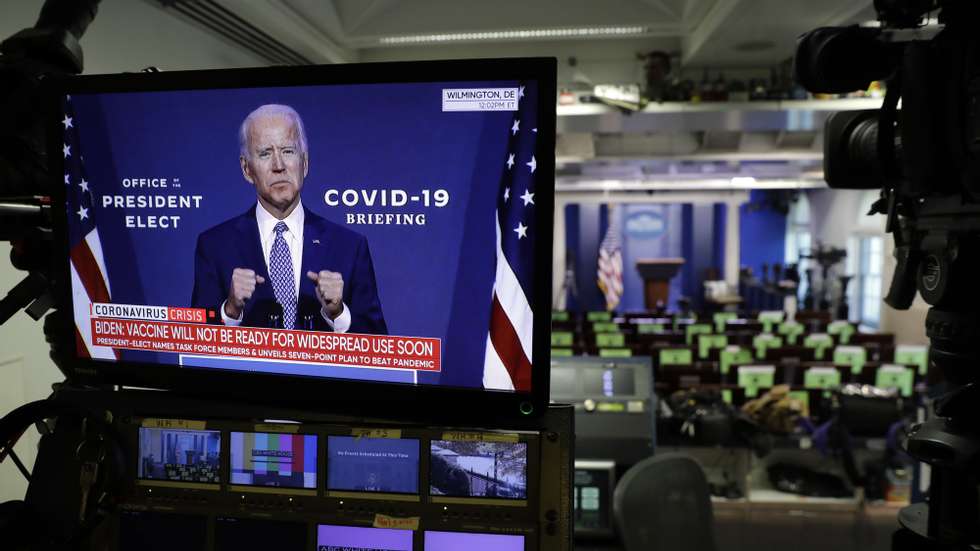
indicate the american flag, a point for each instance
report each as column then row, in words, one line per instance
column 89, row 280
column 507, row 363
column 611, row 261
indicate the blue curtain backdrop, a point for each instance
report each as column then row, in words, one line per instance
column 762, row 233
column 695, row 233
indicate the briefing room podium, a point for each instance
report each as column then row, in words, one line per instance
column 656, row 274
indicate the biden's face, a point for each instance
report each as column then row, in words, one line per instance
column 275, row 164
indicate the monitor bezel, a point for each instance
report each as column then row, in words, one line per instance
column 378, row 399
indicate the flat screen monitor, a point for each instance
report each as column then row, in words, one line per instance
column 179, row 455
column 592, row 485
column 588, row 377
column 235, row 534
column 564, row 382
column 376, row 230
column 146, row 531
column 378, row 465
column 598, row 381
column 496, row 470
column 351, row 538
column 273, row 459
column 454, row 541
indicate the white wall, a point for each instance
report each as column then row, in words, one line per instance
column 127, row 35
column 837, row 215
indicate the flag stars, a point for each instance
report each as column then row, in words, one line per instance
column 520, row 93
column 82, row 213
column 528, row 197
column 84, row 185
column 521, row 230
column 533, row 164
column 510, row 161
column 66, row 150
column 67, row 182
column 506, row 194
column 515, row 128
column 67, row 122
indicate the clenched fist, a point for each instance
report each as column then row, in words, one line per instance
column 330, row 291
column 243, row 282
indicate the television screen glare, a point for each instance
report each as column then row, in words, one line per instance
column 454, row 541
column 350, row 538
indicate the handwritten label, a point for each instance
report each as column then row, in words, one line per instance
column 480, row 437
column 182, row 424
column 376, row 433
column 398, row 523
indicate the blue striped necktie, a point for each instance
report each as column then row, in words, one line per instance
column 281, row 273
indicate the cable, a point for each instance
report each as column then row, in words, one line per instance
column 20, row 465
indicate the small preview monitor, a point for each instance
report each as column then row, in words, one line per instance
column 273, row 459
column 564, row 382
column 608, row 382
column 235, row 534
column 355, row 231
column 592, row 486
column 148, row 531
column 583, row 378
column 363, row 464
column 455, row 541
column 179, row 455
column 351, row 538
column 459, row 468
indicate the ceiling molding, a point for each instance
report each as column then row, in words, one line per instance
column 703, row 32
column 281, row 20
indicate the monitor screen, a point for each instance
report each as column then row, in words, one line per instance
column 478, row 469
column 179, row 455
column 453, row 541
column 371, row 231
column 350, row 538
column 564, row 381
column 362, row 464
column 593, row 484
column 235, row 534
column 145, row 531
column 608, row 382
column 270, row 459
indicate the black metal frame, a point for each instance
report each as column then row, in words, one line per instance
column 375, row 399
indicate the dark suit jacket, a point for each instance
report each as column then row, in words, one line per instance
column 326, row 246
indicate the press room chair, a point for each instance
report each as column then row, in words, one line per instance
column 663, row 504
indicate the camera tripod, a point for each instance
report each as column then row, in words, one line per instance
column 949, row 442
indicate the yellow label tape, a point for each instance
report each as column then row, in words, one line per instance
column 183, row 424
column 480, row 437
column 376, row 433
column 271, row 427
column 398, row 523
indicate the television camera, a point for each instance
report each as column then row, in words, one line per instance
column 925, row 158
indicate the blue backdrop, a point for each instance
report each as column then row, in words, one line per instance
column 360, row 137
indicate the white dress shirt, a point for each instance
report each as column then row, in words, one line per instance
column 294, row 240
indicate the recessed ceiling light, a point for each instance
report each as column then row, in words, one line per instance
column 522, row 34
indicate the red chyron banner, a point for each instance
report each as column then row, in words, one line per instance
column 378, row 351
